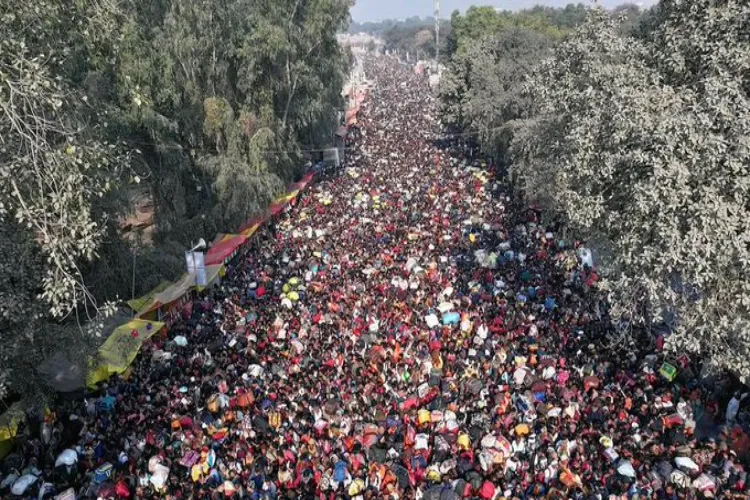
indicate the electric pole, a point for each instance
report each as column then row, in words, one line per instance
column 437, row 36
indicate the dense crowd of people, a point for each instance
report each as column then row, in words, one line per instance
column 408, row 330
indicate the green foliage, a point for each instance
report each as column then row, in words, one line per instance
column 481, row 22
column 198, row 107
column 217, row 118
column 490, row 55
column 645, row 141
column 27, row 336
column 482, row 92
column 53, row 161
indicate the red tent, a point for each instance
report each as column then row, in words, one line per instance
column 277, row 207
column 260, row 219
column 218, row 253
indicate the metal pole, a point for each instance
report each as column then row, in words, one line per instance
column 195, row 266
column 437, row 36
column 132, row 289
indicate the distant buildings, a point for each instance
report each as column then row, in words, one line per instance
column 360, row 42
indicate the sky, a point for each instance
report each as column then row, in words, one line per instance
column 376, row 10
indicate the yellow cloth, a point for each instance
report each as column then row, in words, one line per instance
column 121, row 347
column 356, row 487
column 463, row 442
column 251, row 230
column 9, row 422
column 140, row 302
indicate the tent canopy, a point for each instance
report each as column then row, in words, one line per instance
column 249, row 231
column 171, row 293
column 121, row 348
column 212, row 275
column 218, row 253
column 140, row 302
column 9, row 421
column 277, row 206
column 255, row 222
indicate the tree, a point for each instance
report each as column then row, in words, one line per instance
column 480, row 22
column 51, row 161
column 201, row 108
column 645, row 141
column 191, row 73
column 28, row 336
column 482, row 92
column 56, row 168
column 490, row 55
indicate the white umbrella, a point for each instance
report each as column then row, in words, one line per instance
column 444, row 307
column 519, row 375
column 554, row 412
column 159, row 477
column 704, row 482
column 482, row 332
column 626, row 468
column 8, row 480
column 447, row 466
column 421, row 442
column 69, row 494
column 22, row 484
column 432, row 321
column 180, row 341
column 300, row 348
column 489, row 441
column 153, row 462
column 67, row 457
column 686, row 463
column 679, row 478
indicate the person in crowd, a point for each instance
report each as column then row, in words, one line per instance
column 409, row 330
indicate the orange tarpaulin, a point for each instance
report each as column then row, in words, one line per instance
column 250, row 230
column 255, row 222
column 299, row 186
column 218, row 253
column 277, row 206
